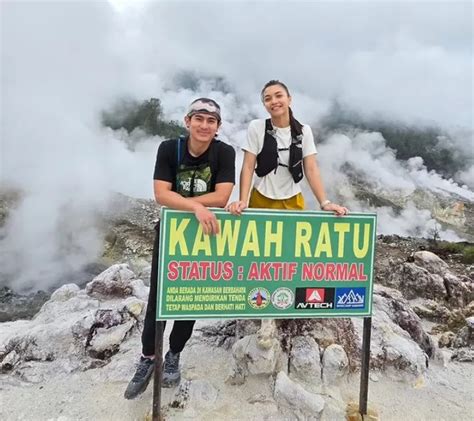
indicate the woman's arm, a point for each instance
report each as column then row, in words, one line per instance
column 246, row 177
column 313, row 176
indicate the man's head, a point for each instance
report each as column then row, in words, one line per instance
column 203, row 119
column 205, row 106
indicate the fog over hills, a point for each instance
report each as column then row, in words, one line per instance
column 399, row 72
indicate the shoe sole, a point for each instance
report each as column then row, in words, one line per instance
column 171, row 383
column 139, row 391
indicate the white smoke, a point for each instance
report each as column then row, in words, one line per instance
column 467, row 177
column 65, row 62
column 370, row 159
column 411, row 222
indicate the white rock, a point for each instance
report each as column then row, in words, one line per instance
column 65, row 292
column 295, row 402
column 390, row 345
column 401, row 352
column 121, row 367
column 267, row 334
column 457, row 290
column 114, row 281
column 334, row 410
column 140, row 290
column 373, row 377
column 62, row 328
column 260, row 398
column 135, row 306
column 109, row 340
column 250, row 358
column 431, row 262
column 10, row 360
column 60, row 311
column 335, row 364
column 305, row 360
column 145, row 274
column 415, row 281
column 195, row 394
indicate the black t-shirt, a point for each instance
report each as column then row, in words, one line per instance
column 194, row 176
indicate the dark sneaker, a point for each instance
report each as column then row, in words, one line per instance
column 140, row 380
column 171, row 374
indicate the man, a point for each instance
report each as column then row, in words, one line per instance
column 191, row 174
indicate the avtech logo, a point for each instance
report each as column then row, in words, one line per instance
column 314, row 298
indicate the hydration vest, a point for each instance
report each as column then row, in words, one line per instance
column 268, row 160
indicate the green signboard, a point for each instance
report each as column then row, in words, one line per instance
column 266, row 264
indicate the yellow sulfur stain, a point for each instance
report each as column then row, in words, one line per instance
column 352, row 413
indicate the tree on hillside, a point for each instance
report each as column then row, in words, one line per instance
column 407, row 141
column 147, row 116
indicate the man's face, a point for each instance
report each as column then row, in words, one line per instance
column 202, row 127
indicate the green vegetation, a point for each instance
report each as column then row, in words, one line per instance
column 465, row 250
column 452, row 247
column 468, row 255
column 430, row 143
column 147, row 116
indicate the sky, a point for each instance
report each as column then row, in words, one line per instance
column 62, row 63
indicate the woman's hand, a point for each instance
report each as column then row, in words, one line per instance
column 338, row 210
column 236, row 208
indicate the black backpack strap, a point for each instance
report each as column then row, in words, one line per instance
column 179, row 150
column 214, row 156
column 269, row 126
column 267, row 159
column 180, row 141
column 296, row 157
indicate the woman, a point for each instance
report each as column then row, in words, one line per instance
column 278, row 150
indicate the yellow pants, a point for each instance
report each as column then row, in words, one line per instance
column 258, row 200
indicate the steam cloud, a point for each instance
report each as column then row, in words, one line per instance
column 65, row 62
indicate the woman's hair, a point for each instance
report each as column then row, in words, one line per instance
column 296, row 126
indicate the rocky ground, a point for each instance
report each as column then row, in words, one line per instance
column 75, row 357
column 67, row 354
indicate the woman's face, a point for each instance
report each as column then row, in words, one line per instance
column 276, row 101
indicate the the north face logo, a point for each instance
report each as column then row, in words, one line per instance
column 314, row 295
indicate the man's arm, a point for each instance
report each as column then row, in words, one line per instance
column 217, row 198
column 198, row 205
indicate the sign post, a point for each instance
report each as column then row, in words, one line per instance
column 158, row 375
column 266, row 264
column 364, row 367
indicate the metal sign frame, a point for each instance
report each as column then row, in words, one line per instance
column 221, row 214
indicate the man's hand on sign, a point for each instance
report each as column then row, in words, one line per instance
column 207, row 219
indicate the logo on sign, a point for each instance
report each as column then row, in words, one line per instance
column 259, row 298
column 315, row 295
column 350, row 298
column 283, row 298
column 314, row 298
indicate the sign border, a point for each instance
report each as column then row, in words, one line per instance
column 263, row 315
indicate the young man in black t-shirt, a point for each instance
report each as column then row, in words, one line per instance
column 191, row 174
